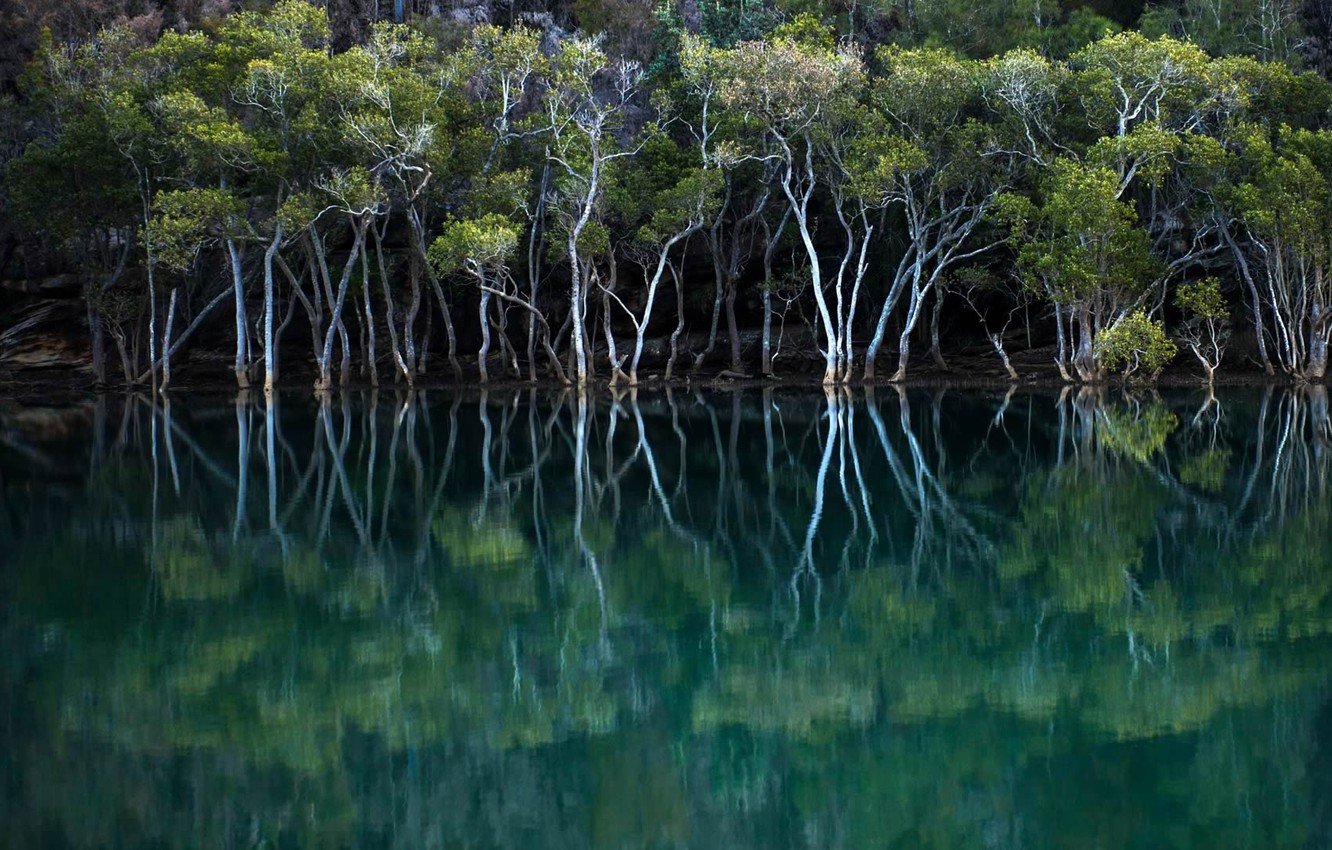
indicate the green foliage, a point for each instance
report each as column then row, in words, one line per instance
column 1136, row 432
column 186, row 220
column 1112, row 163
column 1083, row 239
column 1203, row 299
column 1136, row 346
column 477, row 245
column 808, row 31
column 1207, row 470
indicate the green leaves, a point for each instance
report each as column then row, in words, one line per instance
column 1287, row 197
column 925, row 90
column 879, row 162
column 476, row 245
column 355, row 190
column 207, row 137
column 1126, row 80
column 1202, row 299
column 184, row 221
column 788, row 86
column 1083, row 239
column 1136, row 346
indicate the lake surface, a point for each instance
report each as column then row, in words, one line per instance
column 938, row 619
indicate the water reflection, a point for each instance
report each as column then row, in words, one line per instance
column 680, row 619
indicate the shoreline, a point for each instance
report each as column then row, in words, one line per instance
column 35, row 387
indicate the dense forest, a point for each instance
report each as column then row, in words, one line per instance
column 612, row 191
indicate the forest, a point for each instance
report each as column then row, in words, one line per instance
column 614, row 194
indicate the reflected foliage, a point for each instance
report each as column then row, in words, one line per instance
column 757, row 619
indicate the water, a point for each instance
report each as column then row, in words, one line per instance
column 700, row 620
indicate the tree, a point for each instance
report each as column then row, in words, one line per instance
column 483, row 249
column 794, row 91
column 1081, row 249
column 585, row 109
column 1206, row 328
column 939, row 161
column 1285, row 204
column 669, row 197
column 1135, row 346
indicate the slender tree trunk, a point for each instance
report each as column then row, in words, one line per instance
column 1061, row 354
column 909, row 326
column 663, row 259
column 534, row 268
column 1246, row 272
column 409, row 325
column 270, row 354
column 126, row 364
column 418, row 232
column 97, row 341
column 1318, row 345
column 800, row 210
column 238, row 289
column 936, row 352
column 336, row 327
column 501, row 325
column 152, row 319
column 390, row 313
column 166, row 340
column 718, row 297
column 372, row 355
column 483, row 353
column 997, row 340
column 679, row 322
column 765, row 351
column 732, row 328
column 424, row 349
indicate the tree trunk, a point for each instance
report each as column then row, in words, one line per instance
column 390, row 311
column 679, row 322
column 238, row 289
column 97, row 341
column 270, row 355
column 336, row 327
column 578, row 346
column 732, row 329
column 997, row 341
column 936, row 352
column 166, row 340
column 409, row 324
column 372, row 356
column 765, row 352
column 904, row 341
column 483, row 353
column 1317, row 368
column 1085, row 359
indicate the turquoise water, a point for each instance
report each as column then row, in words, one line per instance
column 942, row 619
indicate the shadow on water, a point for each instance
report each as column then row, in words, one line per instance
column 678, row 619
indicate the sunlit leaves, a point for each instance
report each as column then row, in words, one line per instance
column 185, row 221
column 484, row 243
column 1135, row 346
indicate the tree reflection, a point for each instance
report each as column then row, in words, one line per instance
column 673, row 618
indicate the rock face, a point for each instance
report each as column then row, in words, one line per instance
column 44, row 334
column 1318, row 46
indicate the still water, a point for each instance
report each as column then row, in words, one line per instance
column 938, row 619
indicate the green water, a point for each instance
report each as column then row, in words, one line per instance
column 697, row 620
